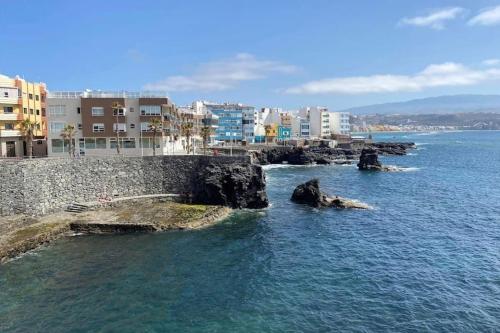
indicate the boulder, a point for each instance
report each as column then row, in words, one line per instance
column 369, row 160
column 310, row 194
column 235, row 186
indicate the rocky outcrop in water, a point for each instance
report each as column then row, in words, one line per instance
column 310, row 194
column 369, row 160
column 235, row 186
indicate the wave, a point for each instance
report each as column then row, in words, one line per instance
column 426, row 133
column 280, row 166
column 395, row 168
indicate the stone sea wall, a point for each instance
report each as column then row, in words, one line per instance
column 38, row 187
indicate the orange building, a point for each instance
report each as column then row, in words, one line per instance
column 20, row 100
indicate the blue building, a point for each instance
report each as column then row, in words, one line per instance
column 233, row 121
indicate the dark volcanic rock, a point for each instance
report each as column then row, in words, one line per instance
column 310, row 194
column 369, row 160
column 392, row 148
column 236, row 186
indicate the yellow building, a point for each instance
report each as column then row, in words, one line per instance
column 21, row 100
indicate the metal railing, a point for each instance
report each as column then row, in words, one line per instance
column 106, row 94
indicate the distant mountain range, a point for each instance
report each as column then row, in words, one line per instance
column 434, row 105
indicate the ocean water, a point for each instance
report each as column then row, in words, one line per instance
column 426, row 258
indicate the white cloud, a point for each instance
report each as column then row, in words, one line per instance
column 491, row 62
column 440, row 75
column 223, row 74
column 435, row 19
column 490, row 16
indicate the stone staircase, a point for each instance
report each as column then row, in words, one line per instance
column 76, row 208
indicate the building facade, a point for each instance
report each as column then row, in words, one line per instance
column 339, row 123
column 236, row 122
column 104, row 120
column 20, row 100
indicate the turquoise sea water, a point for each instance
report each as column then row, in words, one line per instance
column 426, row 258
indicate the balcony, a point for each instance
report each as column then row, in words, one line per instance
column 10, row 133
column 10, row 116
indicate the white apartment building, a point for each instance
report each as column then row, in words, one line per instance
column 339, row 123
column 324, row 123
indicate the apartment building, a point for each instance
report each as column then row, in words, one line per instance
column 236, row 121
column 101, row 126
column 340, row 123
column 323, row 124
column 20, row 100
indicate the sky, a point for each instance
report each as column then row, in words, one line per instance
column 286, row 53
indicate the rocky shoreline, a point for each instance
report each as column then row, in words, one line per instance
column 20, row 234
column 325, row 155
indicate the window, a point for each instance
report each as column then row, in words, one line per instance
column 99, row 127
column 38, row 126
column 112, row 143
column 56, row 127
column 131, row 109
column 89, row 143
column 31, row 111
column 97, row 111
column 124, row 143
column 30, row 96
column 43, row 112
column 57, row 110
column 37, row 112
column 78, row 110
column 43, row 97
column 25, row 110
column 132, row 125
column 6, row 94
column 120, row 126
column 37, row 98
column 100, row 143
column 8, row 109
column 121, row 112
column 145, row 127
column 9, row 126
column 129, row 143
column 80, row 126
column 57, row 146
column 150, row 110
column 146, row 143
column 60, row 146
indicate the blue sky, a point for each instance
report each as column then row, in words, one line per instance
column 264, row 53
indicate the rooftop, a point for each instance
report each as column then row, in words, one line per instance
column 106, row 94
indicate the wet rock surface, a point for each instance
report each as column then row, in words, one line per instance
column 310, row 194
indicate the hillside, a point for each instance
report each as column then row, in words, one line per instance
column 435, row 105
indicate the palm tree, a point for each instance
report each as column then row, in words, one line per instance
column 187, row 131
column 28, row 127
column 155, row 126
column 68, row 133
column 267, row 129
column 116, row 107
column 206, row 131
